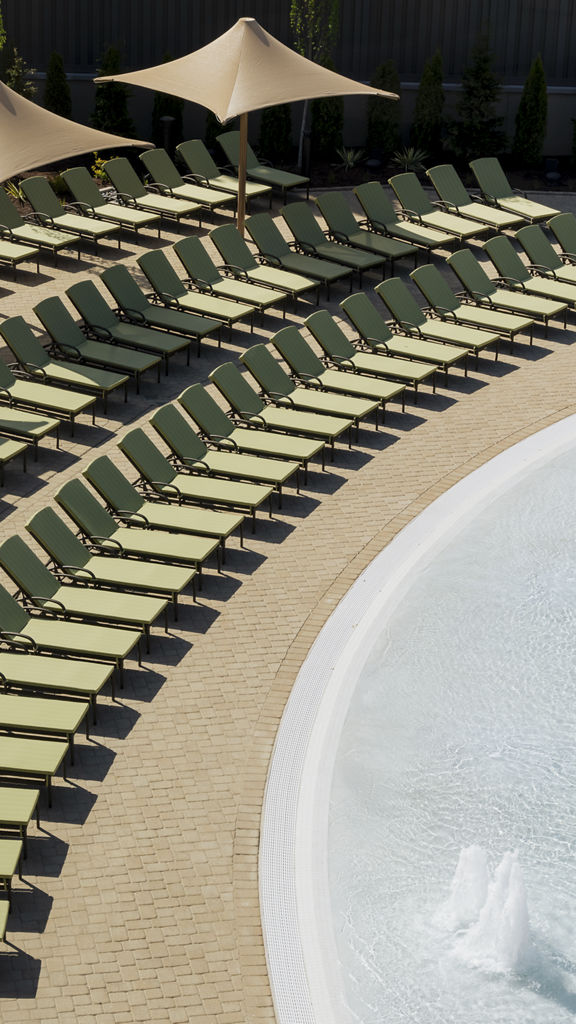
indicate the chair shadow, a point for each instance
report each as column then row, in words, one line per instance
column 92, row 762
column 71, row 804
column 30, row 911
column 46, row 855
column 115, row 721
column 20, row 973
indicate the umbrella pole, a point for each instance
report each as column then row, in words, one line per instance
column 241, row 212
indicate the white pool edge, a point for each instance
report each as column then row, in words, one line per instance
column 293, row 879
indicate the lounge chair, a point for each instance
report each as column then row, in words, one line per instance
column 34, row 759
column 10, row 450
column 543, row 257
column 205, row 275
column 316, row 395
column 204, row 170
column 451, row 307
column 343, row 227
column 487, row 292
column 69, row 340
column 135, row 306
column 418, row 207
column 381, row 216
column 412, row 319
column 455, row 198
column 102, row 323
column 496, row 189
column 260, row 171
column 45, row 674
column 133, row 193
column 53, row 214
column 167, row 178
column 42, row 398
column 14, row 253
column 173, row 293
column 340, row 351
column 516, row 274
column 241, row 262
column 563, row 227
column 21, row 426
column 28, row 231
column 35, row 361
column 17, row 806
column 227, row 436
column 44, row 716
column 75, row 563
column 275, row 250
column 77, row 601
column 190, row 452
column 170, row 485
column 312, row 241
column 90, row 200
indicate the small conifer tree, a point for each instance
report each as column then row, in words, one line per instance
column 478, row 131
column 57, row 91
column 327, row 122
column 531, row 116
column 383, row 136
column 275, row 141
column 15, row 73
column 427, row 126
column 111, row 105
column 166, row 105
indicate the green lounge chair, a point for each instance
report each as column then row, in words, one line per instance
column 418, row 207
column 17, row 805
column 167, row 178
column 496, row 189
column 563, row 227
column 173, row 293
column 260, row 171
column 14, row 253
column 204, row 170
column 316, row 396
column 35, row 760
column 240, row 261
column 10, row 450
column 381, row 216
column 312, row 241
column 343, row 227
column 275, row 250
column 340, row 351
column 131, row 507
column 132, row 192
column 205, row 275
column 227, row 436
column 449, row 306
column 134, row 305
column 453, row 194
column 90, row 200
column 46, row 674
column 376, row 333
column 487, row 292
column 74, row 562
column 107, row 537
column 42, row 398
column 35, row 361
column 44, row 716
column 27, row 231
column 83, row 601
column 49, row 209
column 543, row 257
column 69, row 340
column 103, row 324
column 516, row 274
column 10, row 863
column 189, row 451
column 412, row 319
column 164, row 480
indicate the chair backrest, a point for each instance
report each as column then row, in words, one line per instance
column 9, row 215
column 206, row 413
column 538, row 248
column 376, row 204
column 91, row 305
column 83, row 187
column 470, row 273
column 124, row 289
column 563, row 227
column 178, row 433
column 297, row 352
column 232, row 247
column 329, row 334
column 57, row 539
column 197, row 158
column 196, row 261
column 63, row 330
column 370, row 325
column 448, row 184
column 337, row 213
column 145, row 456
column 400, row 303
column 434, row 287
column 230, row 142
column 490, row 177
column 88, row 514
column 112, row 485
column 161, row 168
column 124, row 177
column 410, row 193
column 41, row 196
column 267, row 370
column 13, row 617
column 26, row 570
column 160, row 273
column 22, row 342
column 266, row 235
column 236, row 389
column 303, row 224
column 505, row 258
column 7, row 378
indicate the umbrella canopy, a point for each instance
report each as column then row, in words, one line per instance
column 34, row 136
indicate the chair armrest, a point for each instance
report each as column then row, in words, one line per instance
column 43, row 219
column 219, row 441
column 159, row 188
column 512, row 281
column 29, row 369
column 47, row 604
column 269, row 257
column 201, row 284
column 306, row 248
column 75, row 572
column 5, row 393
column 443, row 313
column 480, row 297
column 410, row 328
column 412, row 215
column 125, row 199
column 130, row 518
column 85, row 209
column 191, row 464
column 134, row 314
column 252, row 416
column 567, row 257
column 106, row 543
column 6, row 231
column 521, row 192
column 233, row 271
column 168, row 300
column 19, row 640
column 309, row 378
column 102, row 333
column 162, row 488
column 281, row 399
column 342, row 362
column 339, row 236
column 68, row 350
column 541, row 271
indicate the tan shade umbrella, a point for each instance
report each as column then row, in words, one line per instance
column 32, row 136
column 245, row 69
